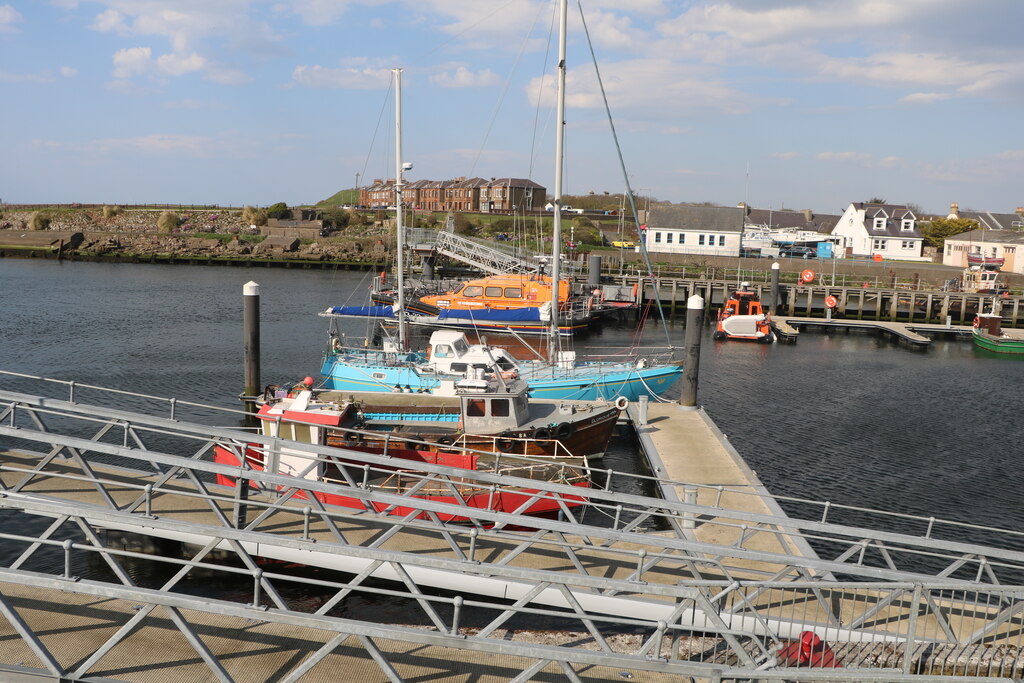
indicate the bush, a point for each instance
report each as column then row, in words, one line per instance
column 279, row 210
column 111, row 211
column 253, row 216
column 38, row 221
column 167, row 221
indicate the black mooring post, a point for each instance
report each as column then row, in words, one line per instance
column 251, row 335
column 691, row 351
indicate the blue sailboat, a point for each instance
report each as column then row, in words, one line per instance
column 450, row 357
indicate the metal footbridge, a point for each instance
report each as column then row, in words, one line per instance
column 614, row 589
column 477, row 254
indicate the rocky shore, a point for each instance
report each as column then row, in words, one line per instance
column 134, row 235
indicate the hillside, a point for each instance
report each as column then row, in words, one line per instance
column 340, row 198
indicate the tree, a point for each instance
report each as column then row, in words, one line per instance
column 38, row 221
column 935, row 232
column 875, row 200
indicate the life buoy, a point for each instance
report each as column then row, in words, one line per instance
column 563, row 430
column 542, row 433
column 977, row 321
column 621, row 402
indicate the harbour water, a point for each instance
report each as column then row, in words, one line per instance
column 850, row 418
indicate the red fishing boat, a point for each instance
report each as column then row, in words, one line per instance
column 484, row 424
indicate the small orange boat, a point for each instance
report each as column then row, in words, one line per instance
column 500, row 292
column 743, row 318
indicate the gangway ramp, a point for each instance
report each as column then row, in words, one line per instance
column 697, row 611
column 475, row 253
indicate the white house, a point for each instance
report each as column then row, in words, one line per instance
column 708, row 230
column 886, row 230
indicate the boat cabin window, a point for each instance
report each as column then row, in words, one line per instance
column 499, row 407
column 513, row 292
column 459, row 367
column 459, row 289
column 379, row 375
column 476, row 407
column 475, row 290
column 505, row 364
column 493, row 292
column 460, row 346
column 443, row 351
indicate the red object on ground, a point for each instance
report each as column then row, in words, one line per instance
column 809, row 650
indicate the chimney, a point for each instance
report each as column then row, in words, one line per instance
column 746, row 209
column 808, row 215
column 954, row 210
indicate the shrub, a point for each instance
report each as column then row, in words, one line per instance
column 38, row 221
column 279, row 210
column 167, row 221
column 253, row 216
column 111, row 211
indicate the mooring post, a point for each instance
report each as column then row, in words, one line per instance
column 594, row 271
column 775, row 288
column 691, row 352
column 251, row 323
column 428, row 267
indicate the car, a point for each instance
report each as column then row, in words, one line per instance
column 797, row 252
column 625, row 244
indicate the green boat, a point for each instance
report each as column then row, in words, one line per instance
column 988, row 334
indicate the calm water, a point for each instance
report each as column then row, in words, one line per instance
column 850, row 418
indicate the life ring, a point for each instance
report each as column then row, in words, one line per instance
column 563, row 430
column 505, row 444
column 542, row 433
column 445, row 440
column 621, row 402
column 977, row 321
column 636, row 288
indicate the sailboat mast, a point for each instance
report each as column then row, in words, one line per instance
column 399, row 228
column 556, row 237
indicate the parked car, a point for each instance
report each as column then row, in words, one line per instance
column 797, row 252
column 625, row 244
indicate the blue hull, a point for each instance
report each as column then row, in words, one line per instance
column 600, row 381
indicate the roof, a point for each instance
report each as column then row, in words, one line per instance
column 800, row 220
column 893, row 214
column 717, row 218
column 514, row 182
column 991, row 236
column 994, row 221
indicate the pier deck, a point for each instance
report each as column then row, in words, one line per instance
column 684, row 445
column 788, row 328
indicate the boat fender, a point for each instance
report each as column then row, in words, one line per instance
column 642, row 363
column 977, row 321
column 445, row 440
column 621, row 402
column 542, row 433
column 505, row 444
column 563, row 430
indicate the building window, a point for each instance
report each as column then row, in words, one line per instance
column 700, row 240
column 668, row 238
column 721, row 240
column 907, row 225
column 879, row 223
column 682, row 238
column 878, row 245
column 949, row 250
column 907, row 244
column 657, row 238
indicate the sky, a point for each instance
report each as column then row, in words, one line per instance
column 779, row 103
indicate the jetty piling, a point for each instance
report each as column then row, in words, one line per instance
column 251, row 336
column 691, row 361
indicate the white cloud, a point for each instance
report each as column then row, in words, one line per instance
column 924, row 97
column 183, row 104
column 464, row 78
column 109, row 20
column 132, row 61
column 348, row 78
column 8, row 17
column 38, row 77
column 68, row 71
column 319, row 12
column 158, row 143
column 177, row 65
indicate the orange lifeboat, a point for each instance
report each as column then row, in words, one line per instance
column 743, row 318
column 500, row 292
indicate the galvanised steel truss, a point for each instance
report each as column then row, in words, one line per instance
column 693, row 608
